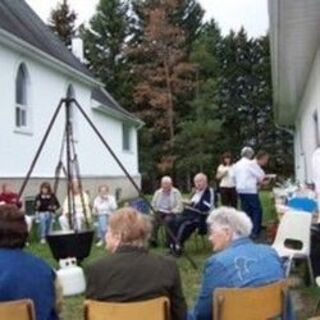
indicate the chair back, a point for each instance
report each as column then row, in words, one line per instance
column 261, row 303
column 155, row 309
column 17, row 310
column 296, row 226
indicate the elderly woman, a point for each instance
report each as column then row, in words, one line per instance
column 238, row 262
column 131, row 273
column 23, row 276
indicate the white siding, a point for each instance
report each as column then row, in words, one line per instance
column 305, row 140
column 47, row 88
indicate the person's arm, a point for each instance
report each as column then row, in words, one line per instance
column 91, row 281
column 221, row 172
column 113, row 203
column 178, row 203
column 212, row 279
column 178, row 306
column 206, row 201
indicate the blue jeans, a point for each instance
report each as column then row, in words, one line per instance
column 102, row 226
column 45, row 223
column 250, row 204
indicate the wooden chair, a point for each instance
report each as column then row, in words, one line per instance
column 155, row 309
column 17, row 310
column 260, row 303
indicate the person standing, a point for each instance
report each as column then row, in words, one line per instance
column 248, row 176
column 46, row 205
column 227, row 187
column 103, row 206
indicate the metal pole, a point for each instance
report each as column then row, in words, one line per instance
column 42, row 143
column 70, row 195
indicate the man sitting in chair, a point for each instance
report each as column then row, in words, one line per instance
column 238, row 263
column 167, row 202
column 194, row 215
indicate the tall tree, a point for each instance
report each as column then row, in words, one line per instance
column 62, row 22
column 163, row 71
column 105, row 42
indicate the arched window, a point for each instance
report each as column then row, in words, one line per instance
column 22, row 113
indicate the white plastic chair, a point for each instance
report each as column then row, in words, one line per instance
column 296, row 226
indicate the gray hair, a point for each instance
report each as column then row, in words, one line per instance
column 247, row 152
column 235, row 220
column 166, row 179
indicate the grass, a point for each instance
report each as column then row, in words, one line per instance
column 197, row 248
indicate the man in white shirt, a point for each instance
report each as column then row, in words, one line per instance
column 316, row 173
column 248, row 175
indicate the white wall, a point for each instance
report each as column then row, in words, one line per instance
column 47, row 87
column 305, row 138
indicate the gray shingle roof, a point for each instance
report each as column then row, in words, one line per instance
column 17, row 18
column 103, row 97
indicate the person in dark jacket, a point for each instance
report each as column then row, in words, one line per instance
column 131, row 273
column 22, row 275
column 194, row 215
column 46, row 205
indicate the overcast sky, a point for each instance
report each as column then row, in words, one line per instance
column 230, row 14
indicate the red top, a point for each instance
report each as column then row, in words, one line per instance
column 10, row 198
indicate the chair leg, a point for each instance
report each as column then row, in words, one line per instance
column 310, row 270
column 288, row 269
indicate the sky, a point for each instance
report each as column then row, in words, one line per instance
column 230, row 14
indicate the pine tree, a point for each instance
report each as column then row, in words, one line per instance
column 105, row 42
column 62, row 22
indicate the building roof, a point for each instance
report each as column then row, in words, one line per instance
column 294, row 39
column 105, row 99
column 18, row 19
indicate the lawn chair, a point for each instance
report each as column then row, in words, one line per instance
column 155, row 309
column 265, row 302
column 295, row 227
column 17, row 310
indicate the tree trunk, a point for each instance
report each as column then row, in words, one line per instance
column 170, row 101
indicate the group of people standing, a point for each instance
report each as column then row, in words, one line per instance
column 240, row 180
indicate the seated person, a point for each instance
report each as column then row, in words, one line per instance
column 81, row 205
column 167, row 202
column 130, row 273
column 194, row 215
column 9, row 196
column 238, row 263
column 23, row 276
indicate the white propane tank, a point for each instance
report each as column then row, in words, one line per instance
column 71, row 277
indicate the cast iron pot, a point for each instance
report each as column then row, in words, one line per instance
column 66, row 244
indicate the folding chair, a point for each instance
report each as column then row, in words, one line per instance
column 260, row 303
column 17, row 310
column 295, row 226
column 155, row 309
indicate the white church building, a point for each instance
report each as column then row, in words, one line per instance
column 295, row 54
column 36, row 71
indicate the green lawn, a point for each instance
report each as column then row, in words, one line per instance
column 198, row 249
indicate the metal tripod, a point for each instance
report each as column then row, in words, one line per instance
column 70, row 151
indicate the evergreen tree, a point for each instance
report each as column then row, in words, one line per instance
column 105, row 42
column 62, row 22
